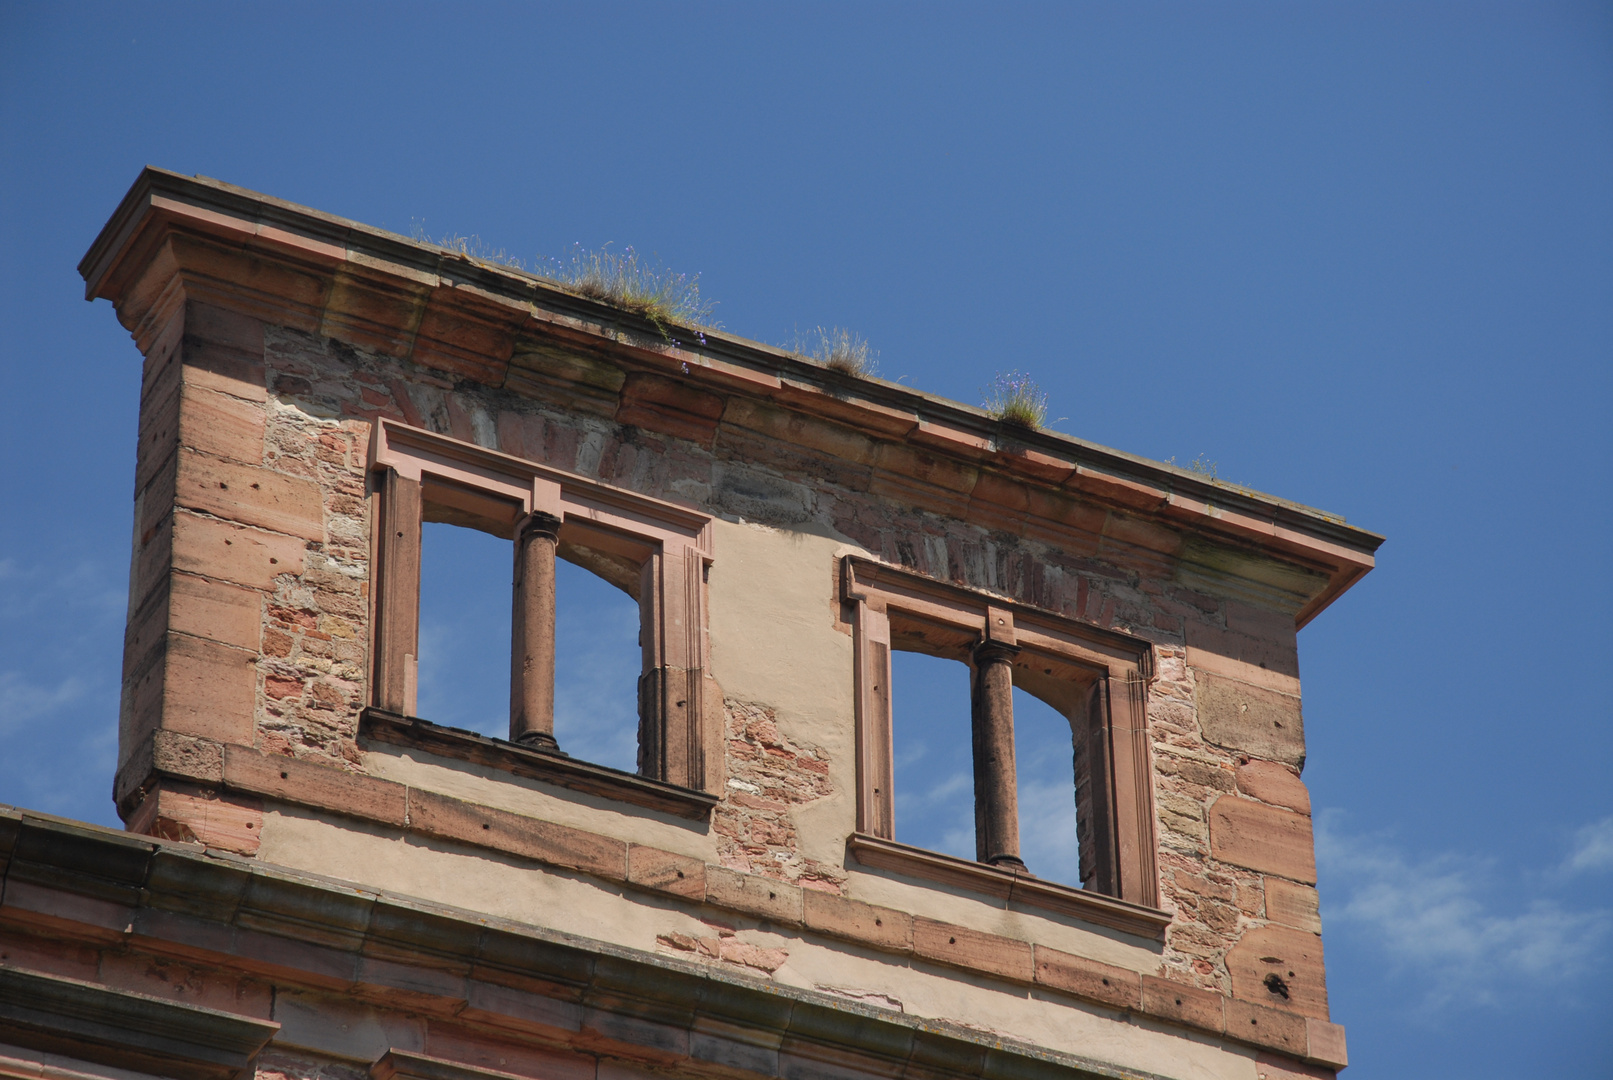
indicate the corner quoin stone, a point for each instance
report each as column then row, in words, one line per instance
column 1260, row 722
column 1265, row 838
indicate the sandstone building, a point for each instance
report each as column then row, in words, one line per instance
column 315, row 882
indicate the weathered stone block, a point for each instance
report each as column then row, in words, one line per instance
column 227, row 614
column 544, row 841
column 306, row 783
column 962, row 947
column 1280, row 967
column 201, row 817
column 1273, row 783
column 1090, row 979
column 251, row 496
column 1187, row 1004
column 1261, row 837
column 221, row 425
column 1266, row 1027
column 1242, row 717
column 1325, row 1043
column 664, row 871
column 208, row 689
column 854, row 920
column 246, row 556
column 1293, row 905
column 754, row 895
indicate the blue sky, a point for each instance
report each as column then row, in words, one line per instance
column 1356, row 255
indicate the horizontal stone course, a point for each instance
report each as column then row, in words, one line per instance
column 370, row 798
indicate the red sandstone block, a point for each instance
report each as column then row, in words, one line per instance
column 464, row 1046
column 276, row 776
column 672, row 408
column 950, row 439
column 1035, row 463
column 912, row 462
column 1270, row 1067
column 246, row 556
column 251, row 496
column 208, row 689
column 1280, row 655
column 1121, row 530
column 221, row 326
column 1088, row 978
column 545, row 841
column 663, row 871
column 1184, row 1004
column 159, row 429
column 997, row 493
column 1260, row 837
column 881, row 927
column 1273, row 1028
column 1203, row 660
column 162, row 977
column 35, row 952
column 972, row 949
column 754, row 895
column 1293, row 905
column 224, row 613
column 221, row 425
column 1280, row 967
column 224, row 370
column 1256, row 721
column 796, row 429
column 1116, row 489
column 508, row 1006
column 1325, row 1043
column 201, row 817
column 1273, row 783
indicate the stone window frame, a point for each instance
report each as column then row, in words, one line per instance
column 658, row 551
column 1103, row 675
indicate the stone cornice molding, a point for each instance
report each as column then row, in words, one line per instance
column 118, row 1027
column 175, row 237
column 309, row 931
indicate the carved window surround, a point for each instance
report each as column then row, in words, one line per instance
column 1097, row 678
column 656, row 551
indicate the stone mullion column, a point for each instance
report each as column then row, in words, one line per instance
column 397, row 602
column 532, row 632
column 996, row 786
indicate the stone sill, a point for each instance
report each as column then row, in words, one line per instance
column 550, row 768
column 1012, row 887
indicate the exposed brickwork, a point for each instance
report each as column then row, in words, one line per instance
column 768, row 776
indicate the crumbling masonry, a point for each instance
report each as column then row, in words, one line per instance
column 316, row 882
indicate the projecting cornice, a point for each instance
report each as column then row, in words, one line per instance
column 177, row 238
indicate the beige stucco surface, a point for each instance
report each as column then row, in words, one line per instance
column 576, row 904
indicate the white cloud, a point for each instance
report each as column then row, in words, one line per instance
column 1446, row 921
column 1593, row 847
column 22, row 701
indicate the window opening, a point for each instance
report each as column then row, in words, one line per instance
column 934, row 797
column 1066, row 697
column 597, row 668
column 464, row 666
column 609, row 583
column 1045, row 757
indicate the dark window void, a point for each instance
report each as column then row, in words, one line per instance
column 464, row 668
column 934, row 797
column 597, row 666
column 931, row 748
